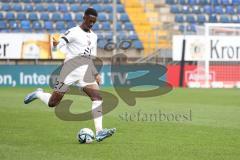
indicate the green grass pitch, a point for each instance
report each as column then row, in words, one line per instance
column 199, row 124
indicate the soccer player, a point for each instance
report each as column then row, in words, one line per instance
column 78, row 43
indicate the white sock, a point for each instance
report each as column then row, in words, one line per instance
column 97, row 114
column 43, row 96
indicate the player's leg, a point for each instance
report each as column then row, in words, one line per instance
column 55, row 98
column 61, row 86
column 93, row 92
column 50, row 100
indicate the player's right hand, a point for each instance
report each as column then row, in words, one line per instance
column 98, row 79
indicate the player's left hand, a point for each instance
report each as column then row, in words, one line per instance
column 98, row 79
column 56, row 37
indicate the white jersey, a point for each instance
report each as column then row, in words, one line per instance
column 77, row 42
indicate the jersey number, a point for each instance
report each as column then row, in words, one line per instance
column 58, row 85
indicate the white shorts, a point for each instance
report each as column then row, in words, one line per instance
column 72, row 74
column 77, row 77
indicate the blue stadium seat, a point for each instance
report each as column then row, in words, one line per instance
column 201, row 18
column 49, row 1
column 138, row 45
column 44, row 16
column 98, row 7
column 122, row 36
column 21, row 16
column 67, row 17
column 70, row 1
column 3, row 25
column 51, row 8
column 109, row 36
column 110, row 17
column 224, row 19
column 175, row 9
column 208, row 9
column 56, row 17
column 93, row 1
column 37, row 1
column 102, row 17
column 62, row 8
column 236, row 2
column 106, row 26
column 229, row 10
column 182, row 2
column 10, row 16
column 26, row 1
column 225, row 2
column 235, row 19
column 36, row 25
column 75, row 8
column 196, row 9
column 33, row 16
column 191, row 28
column 102, row 43
column 79, row 17
column 170, row 1
column 26, row 25
column 70, row 24
column 238, row 10
column 193, row 2
column 191, row 19
column 39, row 8
column 100, row 36
column 60, row 25
column 186, row 10
column 219, row 9
column 107, row 1
column 28, row 7
column 213, row 18
column 84, row 7
column 17, row 7
column 95, row 27
column 124, row 17
column 48, row 25
column 120, row 8
column 203, row 2
column 179, row 18
column 59, row 1
column 133, row 37
column 214, row 2
column 13, row 25
column 181, row 28
column 1, row 16
column 129, row 26
column 119, row 26
column 6, row 7
column 108, row 8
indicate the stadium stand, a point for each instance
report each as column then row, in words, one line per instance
column 56, row 16
column 190, row 13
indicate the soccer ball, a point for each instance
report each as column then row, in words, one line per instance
column 85, row 135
